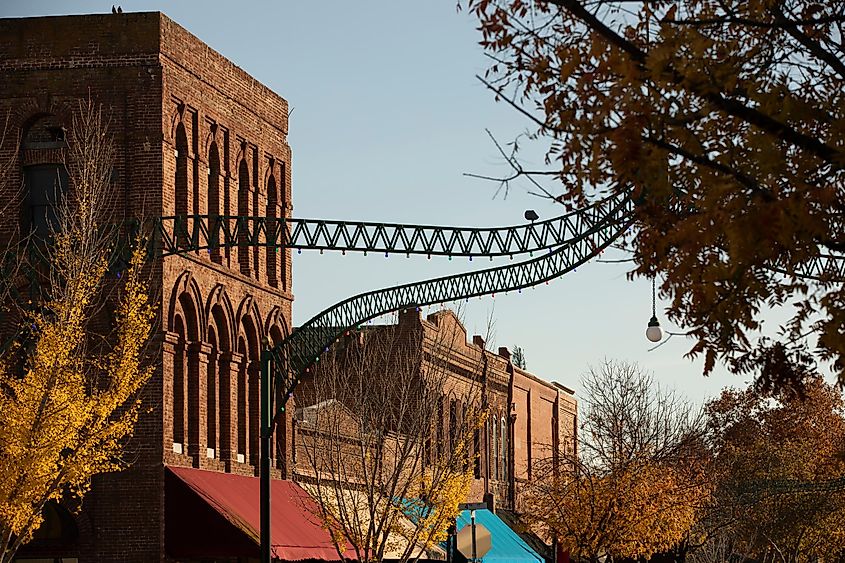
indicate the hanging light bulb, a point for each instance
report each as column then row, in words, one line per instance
column 653, row 332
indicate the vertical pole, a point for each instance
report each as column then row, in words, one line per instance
column 472, row 517
column 264, row 471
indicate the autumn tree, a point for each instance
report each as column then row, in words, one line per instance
column 780, row 466
column 69, row 391
column 724, row 120
column 385, row 452
column 635, row 484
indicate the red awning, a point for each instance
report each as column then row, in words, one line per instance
column 191, row 529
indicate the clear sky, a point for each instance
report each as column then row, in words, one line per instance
column 386, row 118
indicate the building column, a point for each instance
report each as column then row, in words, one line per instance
column 229, row 363
column 253, row 374
column 169, row 346
column 197, row 400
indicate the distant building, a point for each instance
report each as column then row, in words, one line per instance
column 530, row 423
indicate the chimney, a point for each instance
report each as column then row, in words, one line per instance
column 478, row 341
column 505, row 353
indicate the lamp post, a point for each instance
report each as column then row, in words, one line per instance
column 264, row 470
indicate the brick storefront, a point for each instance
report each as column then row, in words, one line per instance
column 194, row 134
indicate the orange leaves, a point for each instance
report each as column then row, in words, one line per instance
column 772, row 458
column 633, row 512
column 637, row 485
column 728, row 116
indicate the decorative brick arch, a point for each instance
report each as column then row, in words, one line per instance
column 248, row 345
column 276, row 326
column 186, row 299
column 176, row 118
column 210, row 136
column 218, row 310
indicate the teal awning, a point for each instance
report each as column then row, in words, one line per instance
column 507, row 547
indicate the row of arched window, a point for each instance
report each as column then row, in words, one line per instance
column 251, row 199
column 215, row 373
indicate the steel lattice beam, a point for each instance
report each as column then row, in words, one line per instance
column 186, row 233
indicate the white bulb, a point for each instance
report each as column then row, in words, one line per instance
column 654, row 333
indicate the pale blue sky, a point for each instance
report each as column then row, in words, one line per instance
column 387, row 116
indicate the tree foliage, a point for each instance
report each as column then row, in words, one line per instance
column 519, row 357
column 725, row 120
column 780, row 468
column 636, row 483
column 68, row 393
column 384, row 453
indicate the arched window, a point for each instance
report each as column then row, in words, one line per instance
column 214, row 199
column 241, row 398
column 272, row 226
column 282, row 194
column 503, row 442
column 181, row 178
column 211, row 395
column 453, row 423
column 476, row 453
column 247, row 393
column 277, row 447
column 219, row 423
column 243, row 211
column 179, row 369
column 493, row 462
column 45, row 177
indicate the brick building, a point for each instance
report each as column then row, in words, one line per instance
column 195, row 134
column 529, row 422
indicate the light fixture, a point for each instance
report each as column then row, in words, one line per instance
column 653, row 332
column 531, row 215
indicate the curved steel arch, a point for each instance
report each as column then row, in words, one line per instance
column 186, row 233
column 292, row 356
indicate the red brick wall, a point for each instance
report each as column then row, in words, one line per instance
column 151, row 75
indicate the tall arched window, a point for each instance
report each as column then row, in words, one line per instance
column 243, row 211
column 214, row 199
column 241, row 398
column 179, row 369
column 45, row 176
column 277, row 447
column 282, row 194
column 503, row 442
column 211, row 395
column 272, row 226
column 219, row 384
column 453, row 423
column 493, row 462
column 181, row 178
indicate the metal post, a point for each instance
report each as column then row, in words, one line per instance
column 264, row 471
column 472, row 519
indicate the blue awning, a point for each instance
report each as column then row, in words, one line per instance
column 507, row 547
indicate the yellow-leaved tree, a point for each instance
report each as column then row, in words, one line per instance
column 636, row 484
column 69, row 390
column 387, row 441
